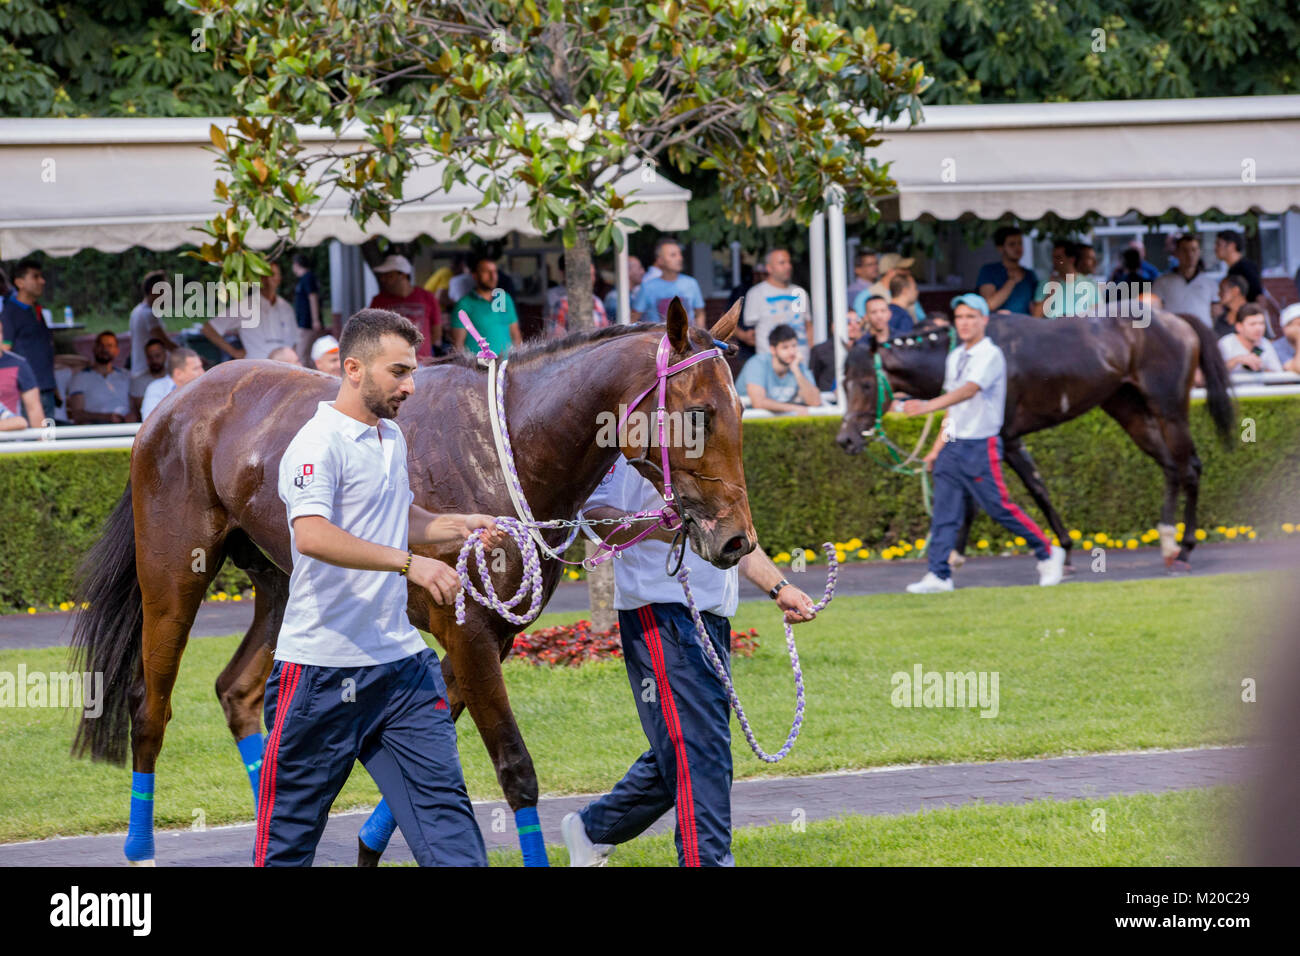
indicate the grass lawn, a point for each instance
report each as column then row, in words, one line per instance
column 1187, row 828
column 1106, row 667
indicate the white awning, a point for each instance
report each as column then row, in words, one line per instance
column 110, row 184
column 1233, row 154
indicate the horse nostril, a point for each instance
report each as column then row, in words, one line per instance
column 734, row 544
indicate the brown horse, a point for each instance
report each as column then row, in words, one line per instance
column 1056, row 370
column 203, row 488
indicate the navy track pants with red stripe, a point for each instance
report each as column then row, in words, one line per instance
column 684, row 713
column 393, row 718
column 971, row 468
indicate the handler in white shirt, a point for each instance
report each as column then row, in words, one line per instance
column 681, row 702
column 967, row 455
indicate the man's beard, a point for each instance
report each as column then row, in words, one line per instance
column 373, row 398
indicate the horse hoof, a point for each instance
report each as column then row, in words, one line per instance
column 141, row 863
column 367, row 856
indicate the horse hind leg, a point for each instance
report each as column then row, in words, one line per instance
column 1152, row 434
column 241, row 686
column 1018, row 457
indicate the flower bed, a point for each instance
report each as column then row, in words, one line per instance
column 571, row 645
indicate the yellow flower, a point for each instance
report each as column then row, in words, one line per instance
column 1006, row 544
column 1101, row 537
column 920, row 543
column 64, row 605
column 854, row 543
column 85, row 604
column 1221, row 530
column 31, row 610
column 840, row 557
column 1020, row 541
column 982, row 543
column 1087, row 545
column 863, row 552
column 887, row 554
column 1288, row 527
column 1180, row 527
column 1132, row 544
column 236, row 597
column 1230, row 533
column 782, row 557
column 1200, row 534
column 1251, row 535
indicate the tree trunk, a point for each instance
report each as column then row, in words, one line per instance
column 577, row 282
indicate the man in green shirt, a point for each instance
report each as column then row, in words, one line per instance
column 490, row 309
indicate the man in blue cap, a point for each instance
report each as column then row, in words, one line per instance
column 967, row 456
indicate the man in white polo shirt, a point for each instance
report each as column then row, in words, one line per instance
column 1189, row 289
column 353, row 679
column 679, row 698
column 967, row 455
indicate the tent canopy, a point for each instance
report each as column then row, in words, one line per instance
column 1234, row 154
column 110, row 184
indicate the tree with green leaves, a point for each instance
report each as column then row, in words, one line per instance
column 559, row 97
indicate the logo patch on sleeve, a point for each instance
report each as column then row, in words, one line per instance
column 304, row 476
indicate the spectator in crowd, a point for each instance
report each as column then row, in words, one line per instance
column 1069, row 291
column 778, row 301
column 1085, row 260
column 778, row 380
column 877, row 314
column 262, row 324
column 285, row 354
column 101, row 394
column 1247, row 349
column 744, row 335
column 1133, row 266
column 1229, row 248
column 656, row 293
column 19, row 393
column 490, row 309
column 183, row 367
column 23, row 329
column 1287, row 345
column 940, row 319
column 1189, row 289
column 306, row 302
column 635, row 273
column 144, row 325
column 556, row 311
column 823, row 355
column 451, row 282
column 1232, row 299
column 155, row 355
column 1006, row 285
column 891, row 265
column 9, row 421
column 902, row 300
column 325, row 356
column 866, row 271
column 397, row 294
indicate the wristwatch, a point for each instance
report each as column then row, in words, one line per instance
column 777, row 589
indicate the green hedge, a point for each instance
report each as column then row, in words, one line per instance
column 803, row 490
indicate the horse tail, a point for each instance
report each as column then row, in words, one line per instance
column 107, row 637
column 1218, row 399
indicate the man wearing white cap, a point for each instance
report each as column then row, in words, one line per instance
column 325, row 356
column 398, row 294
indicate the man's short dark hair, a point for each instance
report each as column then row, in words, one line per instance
column 782, row 333
column 1237, row 282
column 150, row 280
column 155, row 341
column 1069, row 246
column 178, row 358
column 108, row 332
column 670, row 241
column 1003, row 233
column 362, row 333
column 1132, row 259
column 863, row 253
column 1080, row 246
column 300, row 259
column 26, row 266
column 1246, row 311
column 869, row 299
column 1186, row 237
column 900, row 283
column 1234, row 238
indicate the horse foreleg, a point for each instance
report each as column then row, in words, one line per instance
column 1018, row 457
column 241, row 686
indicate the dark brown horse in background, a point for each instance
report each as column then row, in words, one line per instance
column 1057, row 370
column 204, row 472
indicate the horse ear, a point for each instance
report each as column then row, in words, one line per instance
column 726, row 325
column 679, row 326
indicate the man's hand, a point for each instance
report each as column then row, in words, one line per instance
column 798, row 607
column 915, row 406
column 1252, row 362
column 439, row 579
column 1014, row 275
column 931, row 458
column 494, row 536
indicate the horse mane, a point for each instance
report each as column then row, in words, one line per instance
column 540, row 348
column 926, row 335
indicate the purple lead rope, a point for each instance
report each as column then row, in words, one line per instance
column 702, row 636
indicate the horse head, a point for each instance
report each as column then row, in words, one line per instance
column 706, row 469
column 861, row 394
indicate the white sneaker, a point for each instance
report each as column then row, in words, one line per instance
column 930, row 584
column 1051, row 569
column 582, row 852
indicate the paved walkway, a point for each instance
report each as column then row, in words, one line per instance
column 218, row 619
column 890, row 790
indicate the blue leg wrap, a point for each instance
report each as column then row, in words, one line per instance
column 378, row 829
column 139, row 833
column 530, row 836
column 250, row 751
